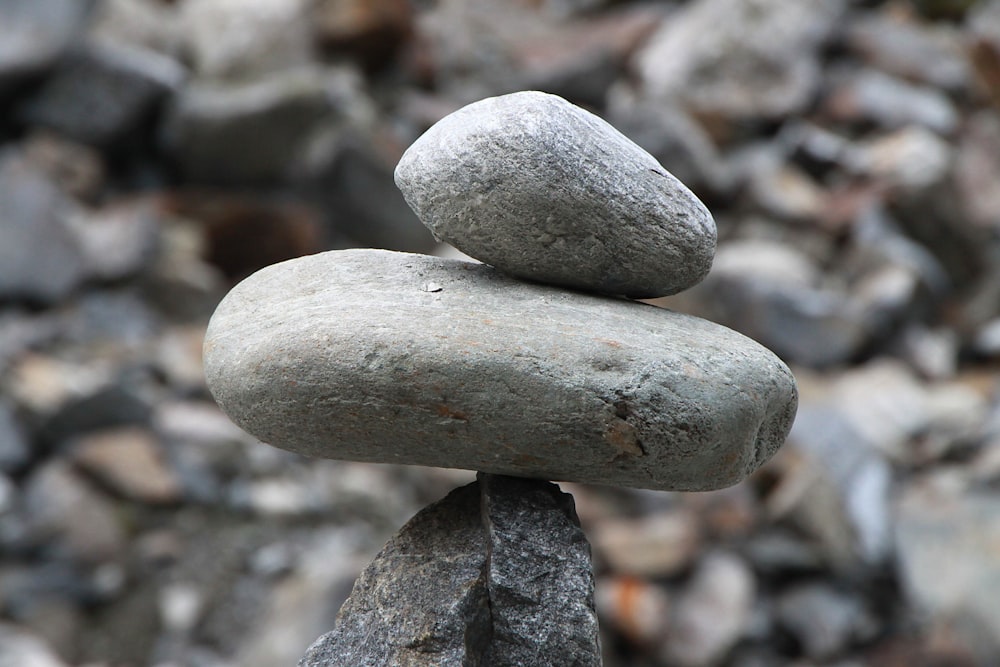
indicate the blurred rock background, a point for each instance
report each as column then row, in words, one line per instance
column 152, row 152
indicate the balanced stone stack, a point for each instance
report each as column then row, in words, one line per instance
column 533, row 364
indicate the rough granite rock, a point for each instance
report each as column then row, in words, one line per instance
column 546, row 191
column 380, row 356
column 539, row 577
column 498, row 573
column 423, row 599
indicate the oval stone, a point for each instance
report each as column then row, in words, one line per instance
column 371, row 355
column 544, row 190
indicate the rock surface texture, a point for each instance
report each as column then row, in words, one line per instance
column 497, row 573
column 381, row 356
column 544, row 190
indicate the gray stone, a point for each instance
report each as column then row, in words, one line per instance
column 779, row 296
column 977, row 167
column 946, row 544
column 389, row 357
column 356, row 189
column 248, row 132
column 76, row 169
column 129, row 462
column 34, row 36
column 15, row 450
column 103, row 93
column 773, row 293
column 21, row 331
column 581, row 60
column 63, row 399
column 824, row 620
column 146, row 24
column 69, row 517
column 19, row 646
column 673, row 137
column 497, row 573
column 539, row 576
column 891, row 102
column 129, row 228
column 243, row 39
column 935, row 53
column 544, row 190
column 737, row 58
column 40, row 258
column 712, row 614
column 847, row 431
column 912, row 159
column 654, row 546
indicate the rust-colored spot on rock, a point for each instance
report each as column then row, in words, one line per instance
column 623, row 437
column 448, row 412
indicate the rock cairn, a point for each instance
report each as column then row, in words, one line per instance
column 389, row 357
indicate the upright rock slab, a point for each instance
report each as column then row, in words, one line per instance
column 544, row 190
column 539, row 577
column 498, row 573
column 388, row 357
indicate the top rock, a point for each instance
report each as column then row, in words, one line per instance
column 546, row 191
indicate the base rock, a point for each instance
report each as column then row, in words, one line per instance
column 497, row 573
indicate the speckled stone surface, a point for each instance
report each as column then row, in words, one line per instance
column 380, row 356
column 547, row 191
column 496, row 573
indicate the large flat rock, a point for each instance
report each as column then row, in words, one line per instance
column 380, row 356
column 547, row 191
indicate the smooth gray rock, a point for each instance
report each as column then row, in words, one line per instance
column 497, row 573
column 379, row 356
column 543, row 190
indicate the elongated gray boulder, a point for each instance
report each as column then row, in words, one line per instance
column 373, row 355
column 544, row 190
column 497, row 573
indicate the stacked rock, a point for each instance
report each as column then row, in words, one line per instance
column 532, row 364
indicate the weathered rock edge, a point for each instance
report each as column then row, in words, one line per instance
column 497, row 573
column 544, row 190
column 380, row 356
